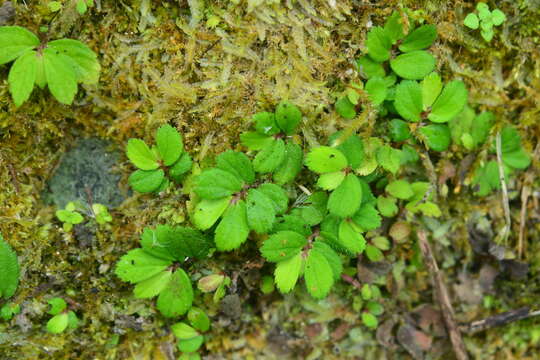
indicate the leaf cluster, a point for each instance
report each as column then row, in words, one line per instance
column 59, row 64
column 484, row 19
column 10, row 271
column 63, row 318
column 190, row 337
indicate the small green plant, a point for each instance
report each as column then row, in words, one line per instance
column 485, row 20
column 60, row 64
column 216, row 283
column 69, row 216
column 10, row 271
column 101, row 214
column 190, row 336
column 168, row 154
column 471, row 130
column 9, row 310
column 80, row 5
column 63, row 318
column 155, row 267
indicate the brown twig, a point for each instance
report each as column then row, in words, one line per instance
column 498, row 320
column 442, row 297
column 504, row 190
column 525, row 193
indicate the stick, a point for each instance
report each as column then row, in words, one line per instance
column 502, row 179
column 442, row 297
column 525, row 192
column 499, row 320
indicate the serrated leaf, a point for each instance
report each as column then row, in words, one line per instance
column 14, row 41
column 140, row 155
column 87, row 67
column 146, row 181
column 378, row 44
column 138, row 265
column 389, row 158
column 325, row 159
column 238, row 164
column 152, row 286
column 58, row 323
column 260, row 211
column 486, row 179
column 369, row 68
column 352, row 147
column 481, row 126
column 347, row 198
column 57, row 305
column 421, row 38
column 471, row 21
column 186, row 242
column 376, row 88
column 318, row 274
column 414, row 65
column 181, row 167
column 207, row 212
column 345, row 108
column 216, row 183
column 177, row 297
column 265, row 123
column 22, row 77
column 450, row 103
column 288, row 117
column 387, row 206
column 169, row 144
column 60, row 75
column 330, row 181
column 282, row 246
column 287, row 273
column 350, row 238
column 156, row 242
column 399, row 130
column 408, row 101
column 291, row 165
column 437, row 136
column 233, row 230
column 400, row 189
column 367, row 217
column 255, row 141
column 431, row 88
column 510, row 140
column 394, row 27
column 269, row 158
column 278, row 196
column 292, row 223
column 331, row 256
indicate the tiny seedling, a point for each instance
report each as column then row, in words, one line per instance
column 80, row 5
column 367, row 303
column 63, row 318
column 9, row 310
column 485, row 20
column 69, row 216
column 216, row 283
column 101, row 214
column 471, row 130
column 10, row 271
column 59, row 64
column 416, row 194
column 168, row 154
column 190, row 336
column 155, row 267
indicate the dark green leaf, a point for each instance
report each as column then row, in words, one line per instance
column 238, row 164
column 288, row 117
column 399, row 130
column 217, row 183
column 291, row 165
column 233, row 230
column 437, row 136
column 378, row 44
column 419, row 39
column 277, row 195
column 269, row 158
column 369, row 68
column 146, row 181
column 282, row 246
column 347, row 198
column 177, row 297
column 345, row 108
column 260, row 211
column 181, row 167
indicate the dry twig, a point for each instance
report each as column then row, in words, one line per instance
column 499, row 320
column 504, row 190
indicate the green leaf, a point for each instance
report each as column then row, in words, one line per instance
column 58, row 323
column 369, row 68
column 345, row 108
column 60, row 75
column 369, row 320
column 288, row 116
column 278, row 196
column 381, row 242
column 207, row 212
column 57, row 305
column 269, row 158
column 421, row 38
column 233, row 230
column 471, row 21
column 481, row 127
column 518, row 159
column 22, row 77
column 414, row 65
column 498, row 17
column 169, row 144
column 177, row 297
column 373, row 253
column 350, row 238
column 387, row 206
column 282, row 246
column 287, row 273
column 73, row 321
column 437, row 136
column 394, row 27
column 156, row 242
column 216, row 183
column 292, row 223
column 330, row 181
column 198, row 319
column 181, row 167
column 389, row 158
column 260, row 211
column 352, row 147
column 408, row 100
column 487, row 34
column 140, row 155
column 376, row 88
column 238, row 164
column 87, row 67
column 9, row 310
column 41, row 79
column 318, row 274
column 375, row 308
column 81, row 7
column 367, row 217
column 255, row 141
column 183, row 331
column 152, row 286
column 71, row 217
column 347, row 198
column 210, row 283
column 450, row 103
column 378, row 44
column 265, row 123
column 431, row 88
column 331, row 256
column 291, row 165
column 186, row 242
column 429, row 209
column 482, row 7
column 138, row 265
column 9, row 276
column 486, row 179
column 399, row 130
column 510, row 140
column 15, row 41
column 146, row 181
column 325, row 159
column 400, row 189
column 190, row 345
